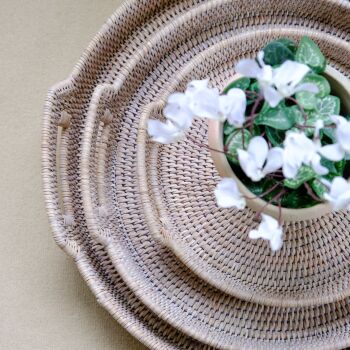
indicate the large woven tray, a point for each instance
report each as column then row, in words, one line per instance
column 106, row 183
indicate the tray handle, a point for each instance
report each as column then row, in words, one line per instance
column 55, row 172
column 156, row 219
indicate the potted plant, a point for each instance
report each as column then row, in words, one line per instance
column 278, row 134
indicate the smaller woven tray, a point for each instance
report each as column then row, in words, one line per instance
column 312, row 267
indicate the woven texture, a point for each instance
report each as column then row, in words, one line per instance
column 117, row 191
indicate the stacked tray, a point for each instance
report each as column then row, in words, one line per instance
column 140, row 219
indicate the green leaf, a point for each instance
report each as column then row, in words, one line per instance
column 305, row 174
column 318, row 187
column 321, row 82
column 235, row 142
column 275, row 53
column 309, row 53
column 276, row 137
column 297, row 199
column 311, row 120
column 228, row 128
column 268, row 184
column 330, row 133
column 241, row 83
column 255, row 86
column 292, row 46
column 329, row 165
column 328, row 106
column 280, row 118
column 256, row 130
column 306, row 99
column 340, row 166
column 256, row 188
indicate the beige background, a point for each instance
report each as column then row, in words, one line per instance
column 44, row 303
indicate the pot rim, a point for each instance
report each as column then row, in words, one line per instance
column 215, row 139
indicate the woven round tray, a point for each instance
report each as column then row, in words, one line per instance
column 313, row 265
column 106, row 181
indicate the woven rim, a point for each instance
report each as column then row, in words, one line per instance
column 337, row 338
column 130, row 249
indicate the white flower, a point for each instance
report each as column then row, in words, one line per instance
column 203, row 101
column 259, row 160
column 338, row 150
column 177, row 110
column 288, row 76
column 257, row 69
column 339, row 194
column 299, row 150
column 166, row 132
column 279, row 83
column 227, row 194
column 270, row 230
column 232, row 107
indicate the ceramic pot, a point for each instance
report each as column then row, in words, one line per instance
column 340, row 86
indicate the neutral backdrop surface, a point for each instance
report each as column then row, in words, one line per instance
column 44, row 303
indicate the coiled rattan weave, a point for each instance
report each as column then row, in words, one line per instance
column 109, row 175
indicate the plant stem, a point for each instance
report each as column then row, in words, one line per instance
column 265, row 193
column 279, row 213
column 210, row 148
column 253, row 113
column 311, row 193
column 302, row 110
column 243, row 138
column 275, row 198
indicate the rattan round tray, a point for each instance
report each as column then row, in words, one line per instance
column 313, row 266
column 98, row 170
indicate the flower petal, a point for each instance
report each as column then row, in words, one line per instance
column 276, row 242
column 254, row 234
column 317, row 166
column 272, row 96
column 332, row 152
column 338, row 120
column 342, row 135
column 260, row 58
column 290, row 170
column 258, row 149
column 319, row 124
column 233, row 107
column 227, row 194
column 205, row 104
column 290, row 73
column 339, row 185
column 274, row 160
column 307, row 87
column 339, row 194
column 248, row 165
column 269, row 229
column 196, row 85
column 164, row 132
column 248, row 67
column 177, row 110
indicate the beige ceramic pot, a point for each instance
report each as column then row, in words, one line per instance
column 340, row 87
